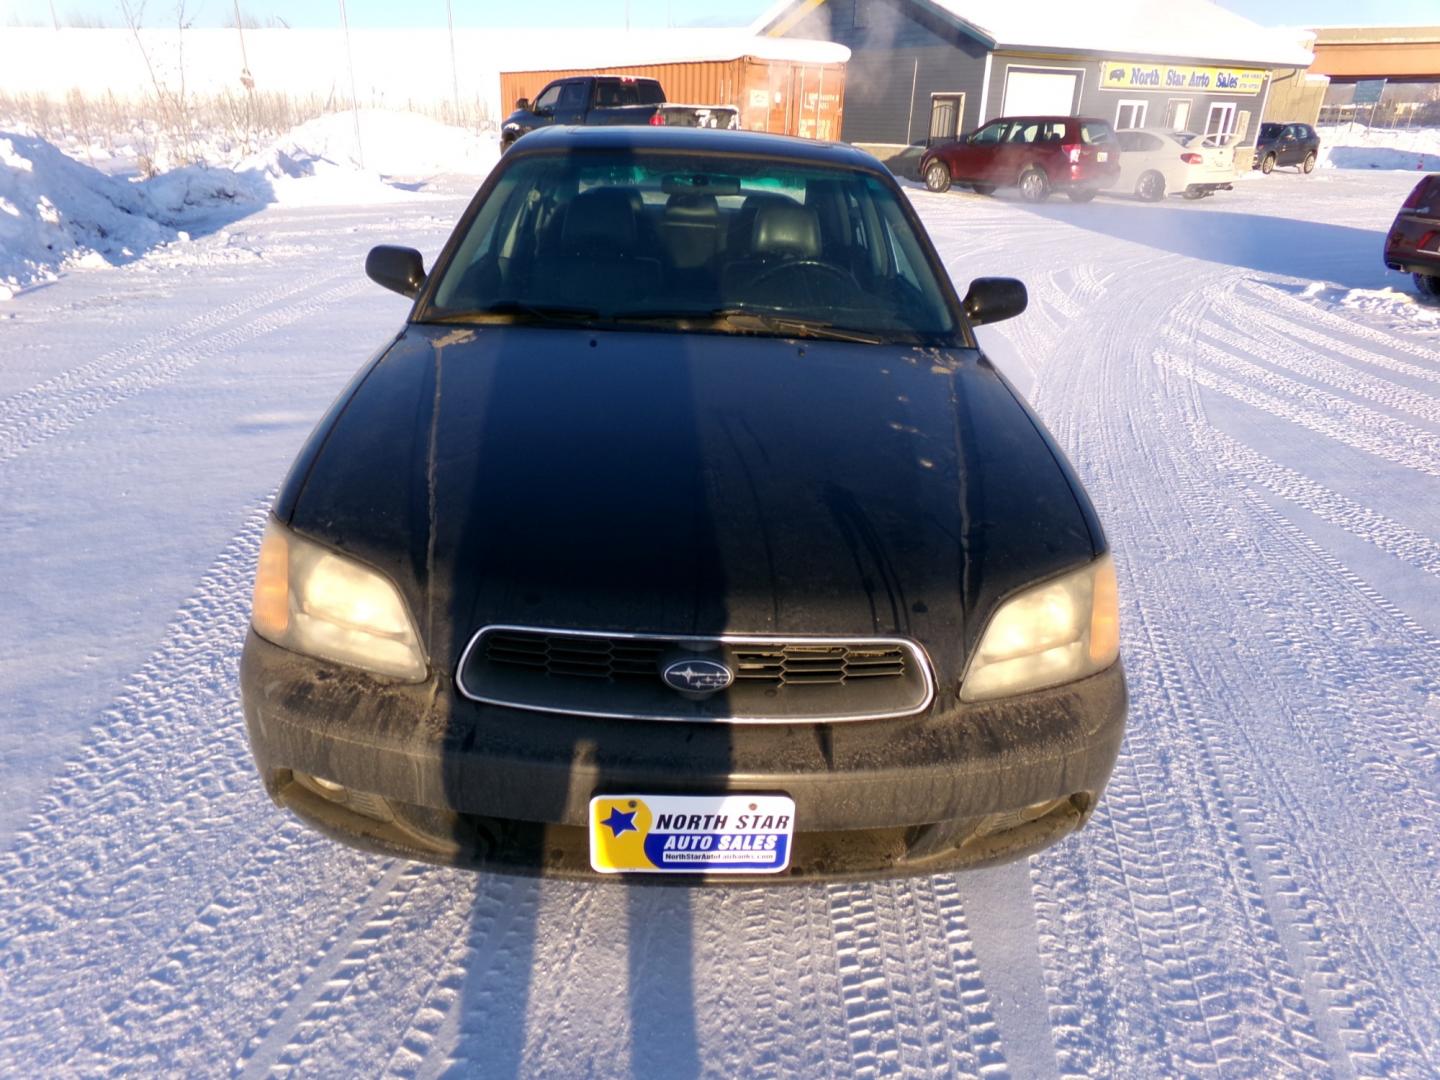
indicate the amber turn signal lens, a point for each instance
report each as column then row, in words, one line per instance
column 271, row 607
column 1105, row 617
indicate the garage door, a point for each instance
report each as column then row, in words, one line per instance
column 1040, row 93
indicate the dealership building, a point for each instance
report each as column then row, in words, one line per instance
column 926, row 70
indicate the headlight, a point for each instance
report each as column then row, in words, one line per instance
column 314, row 601
column 1054, row 633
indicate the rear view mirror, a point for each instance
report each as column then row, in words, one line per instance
column 994, row 299
column 400, row 269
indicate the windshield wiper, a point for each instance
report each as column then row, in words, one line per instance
column 793, row 326
column 742, row 319
column 746, row 319
column 539, row 312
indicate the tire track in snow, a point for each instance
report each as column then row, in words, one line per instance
column 104, row 366
column 363, row 998
column 1319, row 422
column 1406, row 436
column 869, row 1015
column 1160, row 883
column 1300, row 317
column 1324, row 638
column 1273, row 347
column 34, row 422
column 152, row 848
column 1249, row 466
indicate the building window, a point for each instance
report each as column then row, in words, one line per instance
column 1220, row 124
column 1177, row 114
column 859, row 17
column 1131, row 114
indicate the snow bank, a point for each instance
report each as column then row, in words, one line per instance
column 1350, row 146
column 350, row 157
column 56, row 212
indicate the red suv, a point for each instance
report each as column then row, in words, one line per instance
column 1038, row 154
column 1414, row 240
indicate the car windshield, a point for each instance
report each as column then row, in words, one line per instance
column 1185, row 138
column 714, row 243
column 1269, row 131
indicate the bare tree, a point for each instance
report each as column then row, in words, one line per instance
column 171, row 105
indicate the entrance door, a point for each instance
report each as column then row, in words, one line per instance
column 1177, row 114
column 946, row 111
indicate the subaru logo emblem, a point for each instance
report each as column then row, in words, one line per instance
column 692, row 676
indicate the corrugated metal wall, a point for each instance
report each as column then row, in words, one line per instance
column 772, row 95
column 898, row 65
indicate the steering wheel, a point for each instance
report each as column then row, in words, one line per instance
column 829, row 270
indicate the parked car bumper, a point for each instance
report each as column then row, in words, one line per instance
column 1413, row 246
column 1087, row 175
column 418, row 771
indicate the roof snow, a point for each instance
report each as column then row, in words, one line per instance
column 1175, row 29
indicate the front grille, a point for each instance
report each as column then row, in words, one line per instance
column 813, row 665
column 775, row 679
column 777, row 663
column 567, row 655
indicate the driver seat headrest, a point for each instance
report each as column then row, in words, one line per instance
column 601, row 219
column 792, row 230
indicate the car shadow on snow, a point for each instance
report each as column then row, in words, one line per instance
column 1313, row 250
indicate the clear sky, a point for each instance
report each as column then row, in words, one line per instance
column 613, row 12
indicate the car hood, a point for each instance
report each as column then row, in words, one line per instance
column 690, row 483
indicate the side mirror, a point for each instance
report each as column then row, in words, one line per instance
column 994, row 299
column 522, row 104
column 399, row 269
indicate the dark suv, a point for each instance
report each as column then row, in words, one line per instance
column 1286, row 144
column 1413, row 243
column 1038, row 154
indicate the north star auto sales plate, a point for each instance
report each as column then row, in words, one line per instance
column 691, row 834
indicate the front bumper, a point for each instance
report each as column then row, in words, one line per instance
column 418, row 771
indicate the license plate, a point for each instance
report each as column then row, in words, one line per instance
column 691, row 834
column 1102, row 155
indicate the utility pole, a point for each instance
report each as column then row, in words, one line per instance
column 354, row 98
column 454, row 70
column 246, row 79
column 53, row 17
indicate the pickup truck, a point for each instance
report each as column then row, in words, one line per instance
column 597, row 100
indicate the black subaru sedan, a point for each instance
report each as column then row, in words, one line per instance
column 684, row 530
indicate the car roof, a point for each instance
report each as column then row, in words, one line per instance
column 695, row 140
column 1051, row 119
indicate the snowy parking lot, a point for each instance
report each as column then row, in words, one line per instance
column 1252, row 400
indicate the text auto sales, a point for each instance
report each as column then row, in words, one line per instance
column 698, row 832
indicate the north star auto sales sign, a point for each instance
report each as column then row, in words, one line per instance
column 1180, row 78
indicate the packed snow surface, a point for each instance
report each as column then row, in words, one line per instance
column 57, row 212
column 1250, row 397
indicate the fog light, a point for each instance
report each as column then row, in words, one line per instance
column 1013, row 819
column 364, row 803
